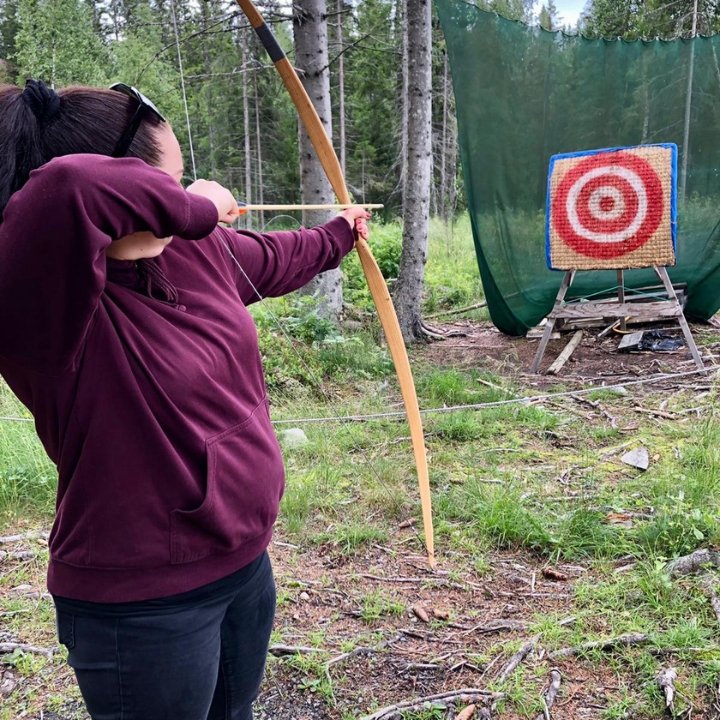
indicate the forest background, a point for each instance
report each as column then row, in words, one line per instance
column 202, row 65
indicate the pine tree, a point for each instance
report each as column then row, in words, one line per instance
column 56, row 42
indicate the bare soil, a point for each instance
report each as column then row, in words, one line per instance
column 476, row 623
column 598, row 360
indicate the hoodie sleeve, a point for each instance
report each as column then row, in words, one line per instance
column 52, row 239
column 276, row 263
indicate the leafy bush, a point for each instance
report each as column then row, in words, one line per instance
column 298, row 346
column 386, row 246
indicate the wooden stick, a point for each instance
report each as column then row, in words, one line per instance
column 689, row 564
column 26, row 536
column 456, row 311
column 620, row 641
column 20, row 555
column 517, row 658
column 564, row 356
column 550, row 694
column 666, row 681
column 11, row 647
column 440, row 700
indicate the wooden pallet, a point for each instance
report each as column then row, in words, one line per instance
column 622, row 309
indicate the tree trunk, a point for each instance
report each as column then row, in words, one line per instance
column 258, row 153
column 246, row 128
column 444, row 213
column 402, row 15
column 311, row 57
column 341, row 85
column 209, row 101
column 408, row 291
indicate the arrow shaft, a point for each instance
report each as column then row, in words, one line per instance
column 368, row 206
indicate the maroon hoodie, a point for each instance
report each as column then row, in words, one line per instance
column 145, row 378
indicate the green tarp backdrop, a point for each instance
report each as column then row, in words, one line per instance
column 524, row 94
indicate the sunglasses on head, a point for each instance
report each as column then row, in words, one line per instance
column 144, row 108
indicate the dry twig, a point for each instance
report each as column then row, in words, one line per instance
column 9, row 647
column 692, row 563
column 666, row 681
column 517, row 658
column 27, row 536
column 620, row 641
column 550, row 694
column 440, row 701
column 457, row 311
column 496, row 626
column 19, row 555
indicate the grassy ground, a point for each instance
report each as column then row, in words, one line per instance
column 544, row 535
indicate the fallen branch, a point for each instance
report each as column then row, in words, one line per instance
column 360, row 651
column 657, row 413
column 440, row 701
column 694, row 562
column 620, row 641
column 457, row 311
column 27, row 536
column 496, row 626
column 9, row 647
column 19, row 555
column 517, row 658
column 666, row 681
column 709, row 584
column 550, row 694
column 699, row 560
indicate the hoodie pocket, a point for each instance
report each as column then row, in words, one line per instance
column 245, row 479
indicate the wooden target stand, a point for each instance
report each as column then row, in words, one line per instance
column 669, row 309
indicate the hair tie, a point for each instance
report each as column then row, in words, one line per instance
column 42, row 100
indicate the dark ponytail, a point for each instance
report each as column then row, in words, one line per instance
column 37, row 125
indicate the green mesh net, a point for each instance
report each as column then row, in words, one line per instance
column 524, row 94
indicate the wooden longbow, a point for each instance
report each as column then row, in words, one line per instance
column 378, row 288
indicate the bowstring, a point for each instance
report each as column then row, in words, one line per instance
column 317, row 383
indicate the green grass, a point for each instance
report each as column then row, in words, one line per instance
column 28, row 479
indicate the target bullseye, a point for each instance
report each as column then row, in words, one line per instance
column 612, row 208
column 608, row 205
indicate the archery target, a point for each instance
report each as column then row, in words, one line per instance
column 612, row 208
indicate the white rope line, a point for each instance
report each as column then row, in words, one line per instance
column 525, row 400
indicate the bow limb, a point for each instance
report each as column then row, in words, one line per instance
column 376, row 283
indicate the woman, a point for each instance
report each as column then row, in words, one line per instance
column 124, row 330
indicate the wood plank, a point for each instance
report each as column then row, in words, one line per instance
column 564, row 356
column 662, row 308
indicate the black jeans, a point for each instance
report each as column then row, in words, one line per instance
column 195, row 656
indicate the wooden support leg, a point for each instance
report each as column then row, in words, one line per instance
column 550, row 326
column 621, row 295
column 689, row 339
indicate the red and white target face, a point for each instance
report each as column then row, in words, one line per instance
column 607, row 205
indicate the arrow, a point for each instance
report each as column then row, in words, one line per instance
column 245, row 207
